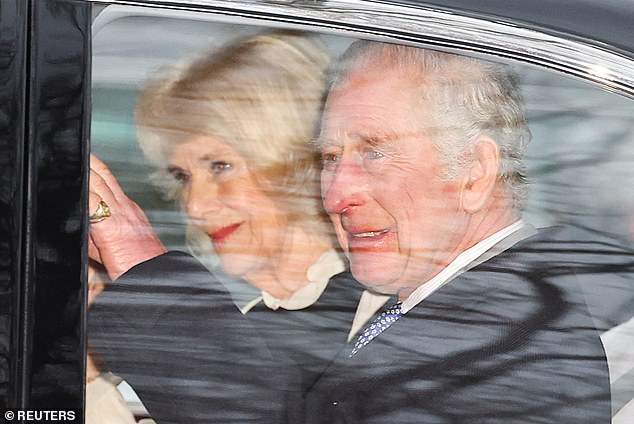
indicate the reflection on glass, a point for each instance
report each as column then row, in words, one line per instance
column 230, row 136
column 426, row 171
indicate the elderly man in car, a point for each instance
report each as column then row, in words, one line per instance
column 424, row 182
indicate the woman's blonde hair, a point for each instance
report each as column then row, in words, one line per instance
column 262, row 95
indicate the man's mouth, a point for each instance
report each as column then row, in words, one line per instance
column 369, row 234
column 370, row 241
column 220, row 236
column 367, row 241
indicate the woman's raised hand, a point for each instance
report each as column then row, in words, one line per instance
column 120, row 234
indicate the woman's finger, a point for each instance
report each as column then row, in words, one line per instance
column 93, row 201
column 102, row 188
column 98, row 167
column 125, row 238
column 93, row 251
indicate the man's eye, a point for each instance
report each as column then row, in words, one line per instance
column 218, row 167
column 373, row 154
column 329, row 158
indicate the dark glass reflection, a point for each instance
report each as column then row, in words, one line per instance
column 518, row 327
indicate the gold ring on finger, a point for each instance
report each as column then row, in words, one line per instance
column 102, row 212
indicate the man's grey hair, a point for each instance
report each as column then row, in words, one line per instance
column 470, row 97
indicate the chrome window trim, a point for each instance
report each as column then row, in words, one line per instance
column 420, row 25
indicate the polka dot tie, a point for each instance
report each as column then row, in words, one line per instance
column 382, row 322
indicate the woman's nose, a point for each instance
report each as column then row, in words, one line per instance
column 201, row 199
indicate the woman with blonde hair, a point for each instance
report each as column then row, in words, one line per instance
column 229, row 134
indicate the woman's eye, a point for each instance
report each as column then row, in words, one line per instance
column 179, row 175
column 219, row 166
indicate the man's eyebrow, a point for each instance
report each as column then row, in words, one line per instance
column 376, row 140
column 321, row 143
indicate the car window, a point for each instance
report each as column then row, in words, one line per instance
column 579, row 176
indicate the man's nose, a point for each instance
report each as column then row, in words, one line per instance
column 201, row 199
column 344, row 187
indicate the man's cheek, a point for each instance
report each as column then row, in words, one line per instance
column 343, row 241
column 342, row 236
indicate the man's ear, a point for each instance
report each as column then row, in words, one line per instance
column 479, row 181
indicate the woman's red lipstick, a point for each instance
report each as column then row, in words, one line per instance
column 221, row 235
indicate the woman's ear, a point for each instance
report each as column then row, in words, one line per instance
column 479, row 181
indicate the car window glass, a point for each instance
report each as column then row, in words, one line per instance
column 579, row 172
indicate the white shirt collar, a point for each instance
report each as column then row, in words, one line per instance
column 466, row 260
column 317, row 276
column 369, row 304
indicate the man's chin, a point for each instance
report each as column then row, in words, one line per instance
column 375, row 277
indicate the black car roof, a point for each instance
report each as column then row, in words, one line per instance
column 602, row 21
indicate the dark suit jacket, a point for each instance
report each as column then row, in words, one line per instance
column 510, row 341
column 312, row 337
column 176, row 336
